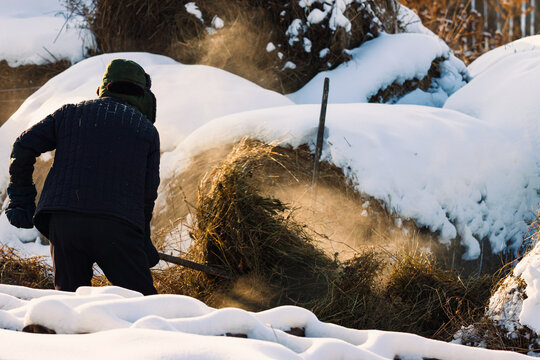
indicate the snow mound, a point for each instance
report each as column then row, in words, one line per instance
column 127, row 325
column 504, row 91
column 431, row 165
column 43, row 33
column 187, row 97
column 523, row 45
column 386, row 60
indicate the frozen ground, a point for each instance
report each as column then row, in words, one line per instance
column 41, row 31
column 123, row 324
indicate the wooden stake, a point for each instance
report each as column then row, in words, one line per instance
column 320, row 133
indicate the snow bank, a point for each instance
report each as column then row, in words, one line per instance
column 188, row 96
column 523, row 45
column 431, row 165
column 36, row 32
column 127, row 325
column 383, row 61
column 505, row 90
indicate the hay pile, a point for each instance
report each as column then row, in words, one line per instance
column 278, row 261
column 244, row 232
column 31, row 272
column 235, row 35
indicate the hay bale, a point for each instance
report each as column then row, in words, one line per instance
column 244, row 232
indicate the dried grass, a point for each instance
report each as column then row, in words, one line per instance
column 245, row 232
column 466, row 31
column 277, row 261
column 31, row 272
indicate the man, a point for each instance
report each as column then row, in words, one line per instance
column 97, row 201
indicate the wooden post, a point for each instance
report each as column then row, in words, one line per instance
column 320, row 133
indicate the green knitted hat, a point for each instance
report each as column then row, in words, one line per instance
column 124, row 70
column 127, row 80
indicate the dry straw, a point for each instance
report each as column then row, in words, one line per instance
column 32, row 272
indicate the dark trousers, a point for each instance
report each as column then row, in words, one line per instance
column 79, row 240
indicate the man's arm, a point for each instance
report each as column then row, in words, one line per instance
column 30, row 144
column 150, row 196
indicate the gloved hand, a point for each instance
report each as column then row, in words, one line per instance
column 21, row 208
column 151, row 253
column 21, row 216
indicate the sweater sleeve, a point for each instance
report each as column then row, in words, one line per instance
column 30, row 144
column 151, row 183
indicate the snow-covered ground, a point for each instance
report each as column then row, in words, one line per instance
column 435, row 166
column 124, row 324
column 41, row 31
column 468, row 170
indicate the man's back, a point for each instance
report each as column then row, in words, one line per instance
column 100, row 165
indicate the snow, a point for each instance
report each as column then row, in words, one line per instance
column 468, row 170
column 193, row 9
column 528, row 44
column 324, row 53
column 187, row 95
column 504, row 92
column 338, row 18
column 316, row 16
column 270, row 47
column 383, row 61
column 295, row 29
column 127, row 325
column 289, row 65
column 529, row 270
column 431, row 165
column 505, row 86
column 217, row 22
column 307, row 45
column 411, row 23
column 516, row 303
column 42, row 33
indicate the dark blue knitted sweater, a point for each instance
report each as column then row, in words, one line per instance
column 106, row 162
